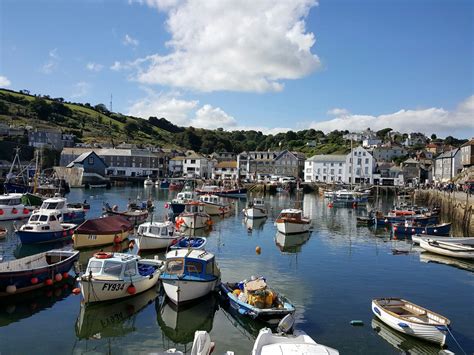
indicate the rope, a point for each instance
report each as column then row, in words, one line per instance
column 459, row 346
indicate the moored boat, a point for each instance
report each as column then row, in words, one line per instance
column 287, row 341
column 182, row 198
column 214, row 206
column 156, row 235
column 148, row 182
column 135, row 214
column 193, row 217
column 460, row 249
column 409, row 318
column 410, row 228
column 189, row 274
column 237, row 192
column 189, row 243
column 45, row 226
column 291, row 221
column 112, row 276
column 102, row 231
column 35, row 271
column 291, row 243
column 68, row 214
column 393, row 217
column 255, row 300
column 418, row 237
column 256, row 209
column 12, row 208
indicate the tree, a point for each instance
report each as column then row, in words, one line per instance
column 383, row 132
column 3, row 108
column 433, row 137
column 101, row 108
column 41, row 108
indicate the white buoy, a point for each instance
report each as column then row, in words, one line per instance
column 11, row 289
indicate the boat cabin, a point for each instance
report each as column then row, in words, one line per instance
column 210, row 188
column 258, row 202
column 184, row 196
column 196, row 263
column 115, row 266
column 212, row 199
column 194, row 207
column 291, row 214
column 156, row 228
column 43, row 221
column 56, row 203
column 10, row 200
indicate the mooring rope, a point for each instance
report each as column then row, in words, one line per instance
column 457, row 343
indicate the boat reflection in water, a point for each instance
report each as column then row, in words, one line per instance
column 405, row 343
column 255, row 223
column 112, row 319
column 427, row 257
column 291, row 243
column 23, row 251
column 180, row 324
column 21, row 306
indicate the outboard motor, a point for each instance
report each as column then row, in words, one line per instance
column 286, row 324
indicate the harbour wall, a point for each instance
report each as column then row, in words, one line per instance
column 456, row 207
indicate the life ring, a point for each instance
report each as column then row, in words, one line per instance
column 103, row 255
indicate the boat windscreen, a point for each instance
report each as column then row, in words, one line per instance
column 175, row 266
column 112, row 268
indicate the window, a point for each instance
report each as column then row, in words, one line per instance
column 43, row 218
column 332, row 171
column 340, row 164
column 193, row 161
column 367, row 160
column 363, row 154
column 332, row 164
column 52, row 218
column 193, row 267
column 91, row 160
column 359, row 161
column 340, row 171
column 112, row 268
column 366, row 170
column 175, row 266
column 130, row 269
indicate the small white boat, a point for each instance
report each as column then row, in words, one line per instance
column 418, row 237
column 156, row 235
column 460, row 249
column 287, row 342
column 193, row 217
column 256, row 209
column 291, row 221
column 189, row 274
column 214, row 205
column 409, row 318
column 11, row 207
column 148, row 182
column 112, row 276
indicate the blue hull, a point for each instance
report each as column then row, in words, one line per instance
column 28, row 237
column 443, row 229
column 386, row 221
column 164, row 185
column 74, row 217
column 11, row 187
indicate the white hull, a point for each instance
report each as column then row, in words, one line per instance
column 145, row 242
column 195, row 221
column 419, row 330
column 448, row 249
column 216, row 210
column 106, row 290
column 8, row 214
column 255, row 212
column 292, row 228
column 417, row 238
column 188, row 290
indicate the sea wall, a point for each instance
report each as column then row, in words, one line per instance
column 455, row 207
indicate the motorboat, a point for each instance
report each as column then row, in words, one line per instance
column 189, row 243
column 189, row 274
column 148, row 182
column 348, row 197
column 182, row 198
column 409, row 318
column 35, row 271
column 214, row 206
column 102, row 231
column 12, row 208
column 410, row 228
column 69, row 214
column 255, row 300
column 135, row 214
column 236, row 192
column 156, row 235
column 460, row 249
column 45, row 226
column 288, row 341
column 193, row 217
column 256, row 209
column 291, row 221
column 111, row 276
column 395, row 217
column 416, row 238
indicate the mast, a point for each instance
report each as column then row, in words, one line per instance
column 35, row 185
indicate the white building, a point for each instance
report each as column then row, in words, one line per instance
column 225, row 170
column 360, row 166
column 196, row 165
column 371, row 142
column 447, row 165
column 325, row 168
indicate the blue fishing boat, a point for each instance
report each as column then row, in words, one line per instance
column 255, row 300
column 189, row 243
column 45, row 226
column 411, row 228
column 422, row 220
column 35, row 271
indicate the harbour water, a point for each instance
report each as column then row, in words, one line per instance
column 331, row 278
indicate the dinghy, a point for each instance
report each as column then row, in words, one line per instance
column 417, row 238
column 156, row 235
column 214, row 205
column 410, row 228
column 111, row 276
column 287, row 341
column 255, row 209
column 460, row 249
column 189, row 275
column 255, row 300
column 409, row 318
column 102, row 231
column 189, row 243
column 291, row 221
column 35, row 271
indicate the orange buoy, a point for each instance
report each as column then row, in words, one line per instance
column 65, row 275
column 48, row 282
column 117, row 239
column 330, row 205
column 34, row 280
column 131, row 289
column 58, row 277
column 258, row 250
column 76, row 290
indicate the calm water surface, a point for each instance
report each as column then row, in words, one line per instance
column 331, row 277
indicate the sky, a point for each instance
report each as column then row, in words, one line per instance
column 251, row 64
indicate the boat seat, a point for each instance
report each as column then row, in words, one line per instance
column 402, row 311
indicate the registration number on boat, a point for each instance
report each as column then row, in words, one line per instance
column 113, row 287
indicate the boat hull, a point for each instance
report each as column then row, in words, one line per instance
column 292, row 228
column 147, row 242
column 255, row 212
column 93, row 240
column 423, row 331
column 179, row 291
column 216, row 210
column 442, row 229
column 31, row 237
column 107, row 290
column 10, row 213
column 448, row 249
column 195, row 221
column 423, row 221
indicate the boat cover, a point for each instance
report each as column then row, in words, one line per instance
column 105, row 225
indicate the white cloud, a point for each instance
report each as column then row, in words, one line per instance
column 80, row 89
column 227, row 45
column 212, row 117
column 117, row 66
column 338, row 112
column 94, row 67
column 458, row 122
column 4, row 82
column 130, row 41
column 52, row 63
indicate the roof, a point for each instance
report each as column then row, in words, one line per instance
column 471, row 142
column 449, row 154
column 227, row 164
column 80, row 159
column 180, row 158
column 328, row 157
column 411, row 161
column 111, row 152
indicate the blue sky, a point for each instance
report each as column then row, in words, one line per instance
column 336, row 64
